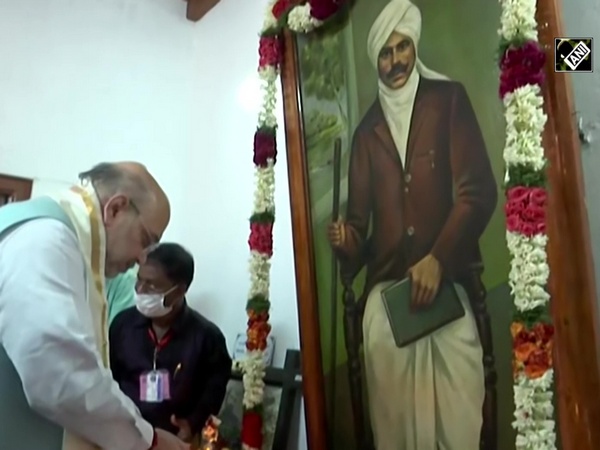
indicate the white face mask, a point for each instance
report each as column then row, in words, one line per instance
column 153, row 305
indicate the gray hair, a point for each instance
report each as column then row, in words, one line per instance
column 109, row 179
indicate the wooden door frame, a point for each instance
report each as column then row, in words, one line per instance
column 16, row 188
column 572, row 282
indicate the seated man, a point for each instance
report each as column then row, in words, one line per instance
column 170, row 360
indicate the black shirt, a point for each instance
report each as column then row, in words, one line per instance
column 195, row 356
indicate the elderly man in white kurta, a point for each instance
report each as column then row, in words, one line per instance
column 417, row 144
column 54, row 255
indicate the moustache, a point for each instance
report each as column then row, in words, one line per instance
column 397, row 69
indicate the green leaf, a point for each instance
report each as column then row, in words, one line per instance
column 267, row 130
column 504, row 45
column 263, row 217
column 526, row 175
column 533, row 316
column 259, row 304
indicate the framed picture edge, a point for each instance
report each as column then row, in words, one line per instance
column 306, row 283
column 576, row 338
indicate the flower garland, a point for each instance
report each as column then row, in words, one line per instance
column 299, row 16
column 522, row 73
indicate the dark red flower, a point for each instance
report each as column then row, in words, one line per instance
column 521, row 66
column 324, row 9
column 518, row 195
column 261, row 238
column 534, row 213
column 265, row 147
column 540, row 228
column 280, row 7
column 269, row 51
column 252, row 429
column 538, row 196
column 513, row 223
column 528, row 229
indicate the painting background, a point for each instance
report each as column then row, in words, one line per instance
column 338, row 84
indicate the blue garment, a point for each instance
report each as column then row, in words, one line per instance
column 120, row 292
column 20, row 427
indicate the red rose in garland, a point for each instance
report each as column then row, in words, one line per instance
column 324, row 9
column 269, row 51
column 525, row 210
column 265, row 147
column 279, row 8
column 521, row 66
column 261, row 238
column 252, row 429
column 283, row 6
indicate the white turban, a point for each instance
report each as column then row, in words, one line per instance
column 402, row 17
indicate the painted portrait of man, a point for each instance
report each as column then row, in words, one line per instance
column 421, row 192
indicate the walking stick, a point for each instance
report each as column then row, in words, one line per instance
column 335, row 214
column 352, row 329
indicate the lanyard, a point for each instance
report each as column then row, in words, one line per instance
column 159, row 344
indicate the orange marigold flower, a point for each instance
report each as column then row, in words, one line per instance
column 516, row 328
column 538, row 364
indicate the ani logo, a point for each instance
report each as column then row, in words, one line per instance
column 573, row 54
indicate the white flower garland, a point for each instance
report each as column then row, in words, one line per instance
column 533, row 408
column 525, row 122
column 529, row 271
column 301, row 21
column 253, row 366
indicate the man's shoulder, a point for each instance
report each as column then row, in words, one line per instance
column 440, row 88
column 373, row 115
column 44, row 238
column 204, row 325
column 125, row 317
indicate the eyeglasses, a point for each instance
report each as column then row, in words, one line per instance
column 149, row 238
column 151, row 288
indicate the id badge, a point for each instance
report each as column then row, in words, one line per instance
column 154, row 386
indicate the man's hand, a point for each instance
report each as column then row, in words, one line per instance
column 336, row 233
column 185, row 431
column 425, row 276
column 168, row 441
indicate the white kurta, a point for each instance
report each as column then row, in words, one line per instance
column 429, row 394
column 47, row 331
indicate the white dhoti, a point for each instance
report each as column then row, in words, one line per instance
column 429, row 394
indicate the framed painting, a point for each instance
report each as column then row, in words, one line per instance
column 396, row 169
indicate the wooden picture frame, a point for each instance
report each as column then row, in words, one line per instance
column 572, row 283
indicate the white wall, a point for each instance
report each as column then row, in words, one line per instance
column 99, row 80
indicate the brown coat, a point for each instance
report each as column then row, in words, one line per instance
column 412, row 211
